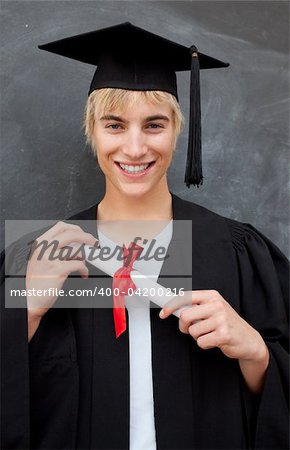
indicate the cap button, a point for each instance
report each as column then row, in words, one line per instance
column 193, row 51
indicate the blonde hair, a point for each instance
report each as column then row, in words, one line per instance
column 112, row 99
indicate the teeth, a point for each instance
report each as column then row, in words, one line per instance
column 134, row 169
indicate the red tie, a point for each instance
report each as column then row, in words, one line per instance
column 123, row 282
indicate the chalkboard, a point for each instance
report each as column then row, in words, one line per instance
column 48, row 172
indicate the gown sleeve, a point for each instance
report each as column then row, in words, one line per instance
column 264, row 302
column 14, row 367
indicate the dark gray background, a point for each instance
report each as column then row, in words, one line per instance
column 47, row 171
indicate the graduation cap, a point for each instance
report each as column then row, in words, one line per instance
column 129, row 57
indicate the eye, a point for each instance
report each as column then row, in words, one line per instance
column 114, row 126
column 154, row 126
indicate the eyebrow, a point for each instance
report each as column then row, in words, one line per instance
column 112, row 117
column 148, row 119
column 157, row 117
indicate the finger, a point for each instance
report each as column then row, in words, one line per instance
column 60, row 228
column 202, row 327
column 71, row 241
column 75, row 236
column 176, row 303
column 210, row 340
column 194, row 314
column 61, row 270
column 189, row 298
column 75, row 266
column 205, row 296
column 68, row 253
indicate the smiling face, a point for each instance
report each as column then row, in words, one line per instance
column 134, row 147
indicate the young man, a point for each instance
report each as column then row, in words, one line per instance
column 215, row 378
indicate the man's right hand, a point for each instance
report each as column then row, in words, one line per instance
column 45, row 272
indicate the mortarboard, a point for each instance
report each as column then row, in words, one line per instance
column 129, row 57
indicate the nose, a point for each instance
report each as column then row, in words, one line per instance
column 134, row 147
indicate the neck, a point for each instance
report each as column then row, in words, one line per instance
column 155, row 205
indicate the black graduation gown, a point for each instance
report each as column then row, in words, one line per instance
column 69, row 388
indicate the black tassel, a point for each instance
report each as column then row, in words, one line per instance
column 193, row 171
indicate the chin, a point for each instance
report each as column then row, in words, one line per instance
column 134, row 191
